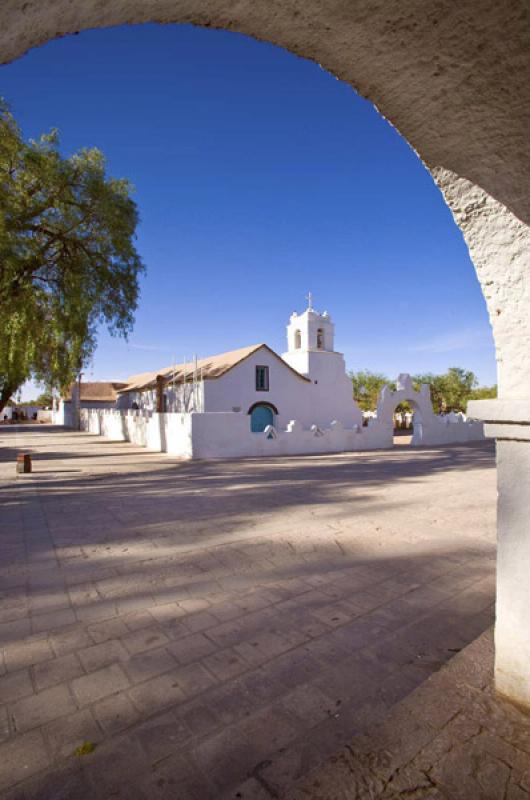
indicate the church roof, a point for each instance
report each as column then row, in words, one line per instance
column 98, row 391
column 208, row 368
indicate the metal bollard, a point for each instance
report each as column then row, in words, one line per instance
column 23, row 462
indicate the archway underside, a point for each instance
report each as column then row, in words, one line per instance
column 458, row 92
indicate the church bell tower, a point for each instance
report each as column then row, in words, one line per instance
column 310, row 339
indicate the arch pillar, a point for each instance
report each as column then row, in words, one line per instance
column 499, row 245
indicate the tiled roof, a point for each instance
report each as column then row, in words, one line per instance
column 98, row 391
column 207, row 368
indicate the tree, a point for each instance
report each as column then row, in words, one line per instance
column 44, row 399
column 68, row 262
column 366, row 388
column 484, row 393
column 450, row 391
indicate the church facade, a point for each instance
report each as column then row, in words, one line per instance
column 308, row 383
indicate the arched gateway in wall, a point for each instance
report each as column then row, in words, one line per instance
column 453, row 79
column 425, row 420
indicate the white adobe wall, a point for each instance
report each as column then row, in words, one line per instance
column 429, row 428
column 6, row 412
column 65, row 412
column 228, row 435
column 169, row 433
column 308, row 402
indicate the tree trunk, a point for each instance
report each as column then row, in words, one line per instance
column 6, row 394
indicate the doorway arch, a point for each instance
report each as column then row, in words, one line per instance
column 261, row 415
column 459, row 95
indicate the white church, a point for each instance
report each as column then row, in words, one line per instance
column 308, row 383
column 254, row 402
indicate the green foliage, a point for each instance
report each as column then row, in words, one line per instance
column 484, row 393
column 449, row 392
column 44, row 399
column 366, row 388
column 67, row 258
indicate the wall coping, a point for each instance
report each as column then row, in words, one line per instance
column 500, row 411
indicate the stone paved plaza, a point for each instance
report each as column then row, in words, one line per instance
column 218, row 629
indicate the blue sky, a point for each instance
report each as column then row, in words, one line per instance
column 258, row 177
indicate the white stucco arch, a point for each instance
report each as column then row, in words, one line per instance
column 452, row 78
column 426, row 421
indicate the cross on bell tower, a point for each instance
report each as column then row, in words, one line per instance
column 309, row 298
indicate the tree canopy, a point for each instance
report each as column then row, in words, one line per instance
column 449, row 391
column 68, row 261
column 366, row 388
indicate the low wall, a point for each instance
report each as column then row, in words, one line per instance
column 228, row 435
column 168, row 433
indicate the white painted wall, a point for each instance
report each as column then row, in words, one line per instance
column 221, row 434
column 64, row 414
column 306, row 401
column 429, row 428
column 169, row 433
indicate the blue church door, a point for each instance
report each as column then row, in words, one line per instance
column 260, row 417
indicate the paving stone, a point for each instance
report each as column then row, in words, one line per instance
column 162, row 735
column 148, row 664
column 115, row 768
column 199, row 718
column 93, row 687
column 54, row 619
column 102, row 610
column 14, row 630
column 33, row 711
column 283, row 769
column 4, row 724
column 194, row 679
column 108, row 629
column 308, row 704
column 67, row 641
column 232, row 701
column 22, row 757
column 251, row 789
column 138, row 619
column 68, row 733
column 193, row 605
column 99, row 655
column 192, row 648
column 199, row 622
column 144, row 639
column 57, row 670
column 115, row 713
column 15, row 685
column 225, row 757
column 157, row 693
column 169, row 616
column 24, row 653
column 176, row 778
column 262, row 647
column 226, row 664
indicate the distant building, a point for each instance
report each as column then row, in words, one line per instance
column 94, row 394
